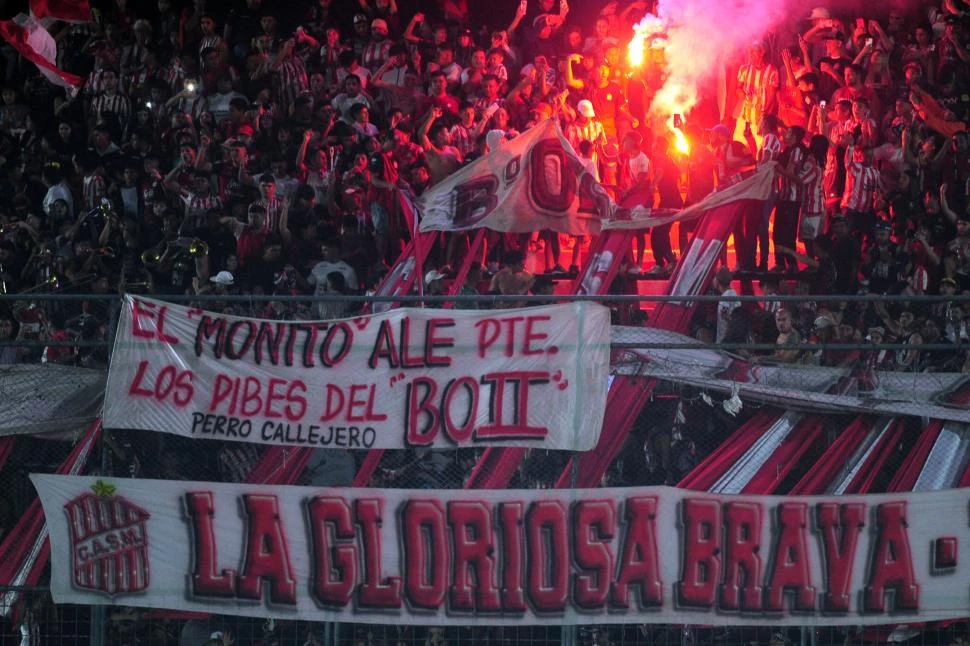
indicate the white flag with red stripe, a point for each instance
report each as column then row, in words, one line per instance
column 34, row 43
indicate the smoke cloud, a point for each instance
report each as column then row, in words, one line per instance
column 704, row 35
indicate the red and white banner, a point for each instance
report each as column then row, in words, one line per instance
column 756, row 187
column 530, row 183
column 34, row 43
column 635, row 555
column 533, row 377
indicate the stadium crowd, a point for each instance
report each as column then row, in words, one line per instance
column 247, row 150
column 257, row 149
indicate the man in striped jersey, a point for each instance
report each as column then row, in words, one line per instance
column 198, row 202
column 377, row 51
column 861, row 183
column 789, row 198
column 758, row 83
column 211, row 38
column 110, row 107
column 769, row 152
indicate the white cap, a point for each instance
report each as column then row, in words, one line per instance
column 494, row 139
column 585, row 108
column 433, row 275
column 820, row 13
column 223, row 278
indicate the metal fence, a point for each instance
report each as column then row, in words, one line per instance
column 675, row 431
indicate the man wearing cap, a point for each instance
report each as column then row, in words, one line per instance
column 362, row 34
column 434, row 284
column 586, row 128
column 378, row 50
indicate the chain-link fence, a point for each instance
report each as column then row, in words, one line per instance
column 692, row 406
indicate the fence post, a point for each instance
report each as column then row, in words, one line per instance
column 569, row 635
column 98, row 615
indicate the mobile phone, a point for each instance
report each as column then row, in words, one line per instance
column 678, row 121
column 868, row 42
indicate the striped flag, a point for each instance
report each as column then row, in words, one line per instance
column 34, row 43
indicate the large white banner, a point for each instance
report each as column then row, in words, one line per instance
column 635, row 555
column 533, row 377
column 533, row 182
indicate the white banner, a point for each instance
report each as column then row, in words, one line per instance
column 53, row 401
column 635, row 555
column 790, row 386
column 530, row 183
column 533, row 377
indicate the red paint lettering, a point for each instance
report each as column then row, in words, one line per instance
column 532, row 336
column 144, row 311
column 639, row 561
column 267, row 552
column 839, row 526
column 791, row 569
column 384, row 347
column 474, row 571
column 433, row 341
column 207, row 579
column 374, row 591
column 335, row 561
column 742, row 563
column 701, row 568
column 548, row 550
column 892, row 562
column 425, row 554
column 594, row 526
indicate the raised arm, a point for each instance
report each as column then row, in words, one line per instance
column 571, row 80
column 409, row 35
column 945, row 206
column 519, row 15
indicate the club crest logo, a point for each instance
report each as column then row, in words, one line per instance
column 109, row 542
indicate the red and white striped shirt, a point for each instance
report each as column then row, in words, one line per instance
column 375, row 54
column 789, row 190
column 196, row 207
column 861, row 183
column 592, row 132
column 755, row 83
column 813, row 193
column 94, row 84
column 461, row 139
column 274, row 212
column 93, row 190
column 770, row 149
column 117, row 104
column 132, row 58
column 214, row 41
